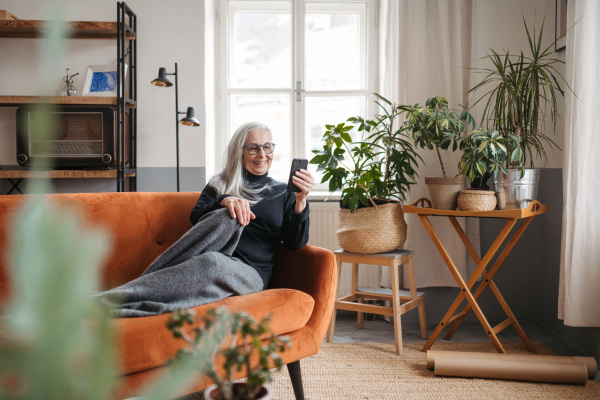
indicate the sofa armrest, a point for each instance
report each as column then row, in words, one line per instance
column 312, row 270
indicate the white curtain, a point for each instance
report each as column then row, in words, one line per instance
column 389, row 80
column 579, row 294
column 425, row 51
column 389, row 49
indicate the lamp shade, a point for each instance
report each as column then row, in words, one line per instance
column 162, row 79
column 189, row 119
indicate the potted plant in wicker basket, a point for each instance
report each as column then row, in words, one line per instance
column 519, row 93
column 374, row 171
column 485, row 154
column 435, row 126
column 246, row 350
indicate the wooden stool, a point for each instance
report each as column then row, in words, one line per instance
column 402, row 300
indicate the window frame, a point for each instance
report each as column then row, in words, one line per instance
column 298, row 139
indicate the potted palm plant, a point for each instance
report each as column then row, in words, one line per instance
column 246, row 350
column 436, row 127
column 520, row 93
column 374, row 171
column 485, row 154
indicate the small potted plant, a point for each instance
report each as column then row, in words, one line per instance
column 246, row 351
column 374, row 171
column 436, row 127
column 485, row 154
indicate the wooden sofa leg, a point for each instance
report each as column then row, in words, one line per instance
column 296, row 378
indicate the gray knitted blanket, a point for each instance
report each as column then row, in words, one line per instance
column 197, row 269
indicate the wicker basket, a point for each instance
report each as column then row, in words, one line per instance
column 371, row 230
column 476, row 200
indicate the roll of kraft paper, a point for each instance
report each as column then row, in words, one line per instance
column 511, row 369
column 589, row 362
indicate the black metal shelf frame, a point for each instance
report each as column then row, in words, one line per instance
column 126, row 93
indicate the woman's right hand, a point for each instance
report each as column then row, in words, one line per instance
column 238, row 208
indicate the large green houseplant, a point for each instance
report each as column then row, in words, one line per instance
column 435, row 126
column 520, row 96
column 245, row 350
column 374, row 171
column 380, row 163
column 520, row 92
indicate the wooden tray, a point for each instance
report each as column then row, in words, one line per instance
column 423, row 207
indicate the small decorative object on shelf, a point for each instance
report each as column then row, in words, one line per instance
column 101, row 80
column 69, row 89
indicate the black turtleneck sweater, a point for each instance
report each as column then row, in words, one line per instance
column 275, row 222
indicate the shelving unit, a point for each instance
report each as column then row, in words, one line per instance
column 16, row 101
column 124, row 31
column 76, row 29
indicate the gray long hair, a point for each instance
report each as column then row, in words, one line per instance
column 231, row 179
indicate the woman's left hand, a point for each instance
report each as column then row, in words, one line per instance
column 303, row 179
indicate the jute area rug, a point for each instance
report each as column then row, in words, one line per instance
column 373, row 371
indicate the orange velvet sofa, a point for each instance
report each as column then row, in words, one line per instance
column 142, row 225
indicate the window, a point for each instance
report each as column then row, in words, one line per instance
column 295, row 65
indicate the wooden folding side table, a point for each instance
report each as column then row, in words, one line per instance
column 511, row 217
column 402, row 300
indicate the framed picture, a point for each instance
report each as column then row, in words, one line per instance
column 101, row 80
column 561, row 25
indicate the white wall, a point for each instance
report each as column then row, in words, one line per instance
column 169, row 31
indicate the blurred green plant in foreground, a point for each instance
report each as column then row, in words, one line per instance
column 56, row 342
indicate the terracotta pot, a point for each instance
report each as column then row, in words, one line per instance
column 476, row 200
column 444, row 190
column 212, row 392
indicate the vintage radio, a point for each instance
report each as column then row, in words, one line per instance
column 68, row 136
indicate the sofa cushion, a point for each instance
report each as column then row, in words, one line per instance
column 146, row 342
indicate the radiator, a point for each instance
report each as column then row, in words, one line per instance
column 323, row 225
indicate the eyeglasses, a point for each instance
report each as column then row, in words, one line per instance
column 254, row 148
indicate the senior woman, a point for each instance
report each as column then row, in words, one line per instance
column 239, row 221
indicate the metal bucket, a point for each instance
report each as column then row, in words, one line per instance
column 517, row 192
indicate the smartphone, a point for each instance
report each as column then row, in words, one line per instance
column 297, row 164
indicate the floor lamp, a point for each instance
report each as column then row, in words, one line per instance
column 188, row 120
